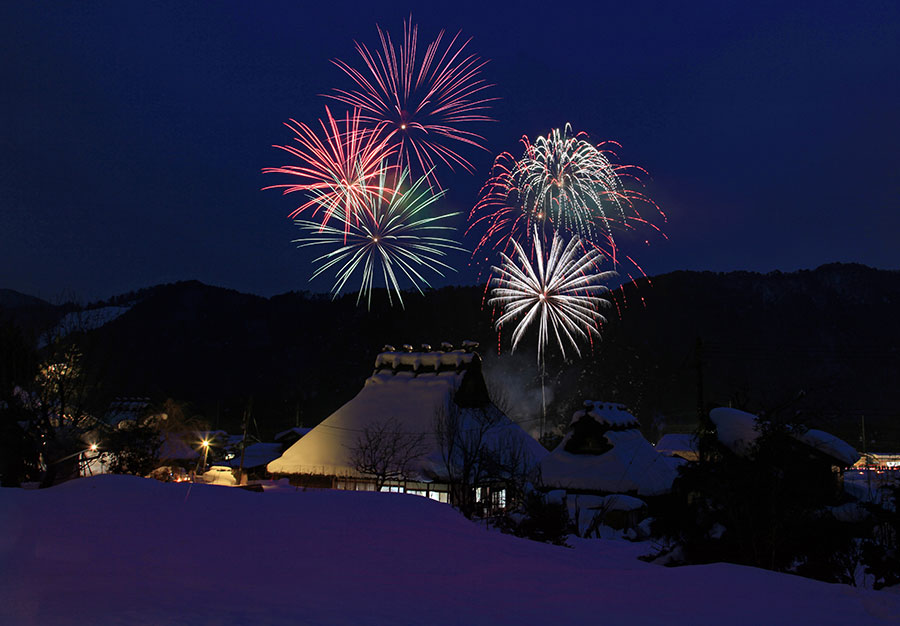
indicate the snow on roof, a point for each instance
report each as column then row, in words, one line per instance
column 677, row 442
column 256, row 454
column 297, row 430
column 422, row 362
column 737, row 430
column 122, row 409
column 611, row 413
column 830, row 445
column 409, row 388
column 613, row 502
column 633, row 465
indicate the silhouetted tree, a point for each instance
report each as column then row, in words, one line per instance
column 133, row 448
column 385, row 452
column 765, row 508
column 478, row 448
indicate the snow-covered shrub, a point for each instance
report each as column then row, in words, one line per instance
column 540, row 518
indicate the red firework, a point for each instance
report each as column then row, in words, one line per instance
column 420, row 102
column 339, row 171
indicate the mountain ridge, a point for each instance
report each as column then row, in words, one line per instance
column 820, row 346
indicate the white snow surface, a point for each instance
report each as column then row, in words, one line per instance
column 736, row 430
column 830, row 445
column 611, row 413
column 220, row 475
column 411, row 400
column 123, row 550
column 89, row 319
column 633, row 465
column 256, row 454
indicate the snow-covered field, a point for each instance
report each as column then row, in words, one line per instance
column 124, row 550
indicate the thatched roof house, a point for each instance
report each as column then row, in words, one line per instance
column 605, row 453
column 411, row 389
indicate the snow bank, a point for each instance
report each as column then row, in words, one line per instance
column 123, row 550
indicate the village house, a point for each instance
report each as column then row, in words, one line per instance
column 604, row 469
column 432, row 403
column 825, row 456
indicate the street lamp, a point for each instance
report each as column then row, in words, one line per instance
column 205, row 445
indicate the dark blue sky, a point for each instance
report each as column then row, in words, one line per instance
column 133, row 134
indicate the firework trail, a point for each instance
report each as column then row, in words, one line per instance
column 339, row 171
column 561, row 182
column 391, row 237
column 420, row 103
column 560, row 292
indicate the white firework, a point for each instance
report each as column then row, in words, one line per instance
column 561, row 292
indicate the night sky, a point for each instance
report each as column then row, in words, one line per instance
column 133, row 134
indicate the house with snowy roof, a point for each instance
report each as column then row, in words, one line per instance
column 738, row 430
column 254, row 458
column 606, row 468
column 414, row 391
column 290, row 436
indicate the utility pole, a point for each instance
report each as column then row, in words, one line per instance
column 244, row 439
column 698, row 363
column 862, row 419
column 704, row 446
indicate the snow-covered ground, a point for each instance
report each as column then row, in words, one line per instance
column 124, row 550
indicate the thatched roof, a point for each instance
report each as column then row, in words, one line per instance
column 411, row 389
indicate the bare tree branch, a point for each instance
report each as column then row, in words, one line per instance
column 385, row 452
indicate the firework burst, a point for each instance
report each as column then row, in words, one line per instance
column 560, row 292
column 561, row 182
column 420, row 102
column 338, row 171
column 392, row 237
